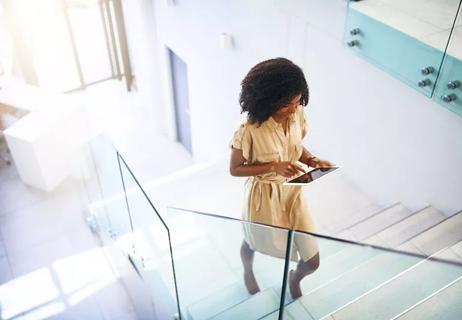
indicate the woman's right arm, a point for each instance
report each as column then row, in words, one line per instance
column 238, row 166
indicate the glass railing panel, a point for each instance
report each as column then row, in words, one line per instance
column 448, row 91
column 149, row 249
column 361, row 281
column 107, row 208
column 402, row 40
column 210, row 254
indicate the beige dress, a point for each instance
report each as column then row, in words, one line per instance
column 268, row 201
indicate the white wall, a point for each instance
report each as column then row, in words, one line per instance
column 141, row 38
column 395, row 143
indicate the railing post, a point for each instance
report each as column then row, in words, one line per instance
column 286, row 273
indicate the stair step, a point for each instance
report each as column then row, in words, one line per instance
column 347, row 235
column 376, row 241
column 413, row 286
column 446, row 233
column 411, row 226
column 443, row 305
column 294, row 311
column 354, row 218
column 218, row 301
column 255, row 307
column 329, row 247
column 378, row 222
column 457, row 248
column 329, row 298
column 349, row 258
column 201, row 271
column 337, row 265
column 275, row 316
column 334, row 198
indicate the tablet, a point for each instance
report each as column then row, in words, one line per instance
column 311, row 176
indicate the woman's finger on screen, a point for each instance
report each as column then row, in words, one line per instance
column 298, row 168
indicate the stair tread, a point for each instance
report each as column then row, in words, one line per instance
column 337, row 265
column 334, row 198
column 275, row 316
column 365, row 277
column 257, row 306
column 457, row 249
column 376, row 241
column 444, row 305
column 378, row 222
column 348, row 259
column 354, row 218
column 294, row 311
column 410, row 226
column 413, row 285
column 442, row 235
column 218, row 301
column 347, row 235
column 329, row 247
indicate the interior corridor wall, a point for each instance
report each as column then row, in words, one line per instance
column 394, row 143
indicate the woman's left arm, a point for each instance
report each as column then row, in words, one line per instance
column 312, row 161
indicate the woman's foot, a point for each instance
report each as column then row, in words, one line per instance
column 294, row 285
column 251, row 283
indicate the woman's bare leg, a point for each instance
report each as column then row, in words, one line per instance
column 247, row 256
column 304, row 268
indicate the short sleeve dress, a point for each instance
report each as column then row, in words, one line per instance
column 267, row 200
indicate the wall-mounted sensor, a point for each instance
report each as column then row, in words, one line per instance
column 226, row 41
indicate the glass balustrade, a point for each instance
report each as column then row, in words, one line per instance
column 195, row 265
column 148, row 247
column 357, row 281
column 216, row 269
column 105, row 190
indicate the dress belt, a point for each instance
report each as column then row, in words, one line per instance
column 257, row 184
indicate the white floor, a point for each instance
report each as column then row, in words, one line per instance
column 50, row 263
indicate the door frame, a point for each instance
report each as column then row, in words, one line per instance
column 170, row 98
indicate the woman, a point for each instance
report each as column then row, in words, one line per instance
column 266, row 149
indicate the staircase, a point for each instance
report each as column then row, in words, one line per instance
column 355, row 282
column 352, row 282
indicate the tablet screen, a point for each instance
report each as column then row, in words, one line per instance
column 312, row 175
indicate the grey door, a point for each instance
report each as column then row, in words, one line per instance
column 181, row 100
